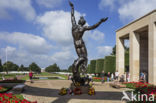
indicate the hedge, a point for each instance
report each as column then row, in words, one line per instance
column 92, row 66
column 88, row 69
column 126, row 59
column 99, row 65
column 110, row 64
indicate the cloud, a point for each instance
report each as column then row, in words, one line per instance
column 49, row 3
column 33, row 43
column 107, row 3
column 23, row 7
column 63, row 58
column 97, row 35
column 135, row 9
column 104, row 50
column 56, row 26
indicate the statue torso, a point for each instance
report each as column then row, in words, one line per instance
column 77, row 33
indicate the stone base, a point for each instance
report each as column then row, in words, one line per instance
column 84, row 89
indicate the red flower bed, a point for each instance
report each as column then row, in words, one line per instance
column 143, row 88
column 9, row 98
column 97, row 78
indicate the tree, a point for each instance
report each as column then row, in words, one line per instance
column 88, row 68
column 1, row 67
column 34, row 67
column 114, row 50
column 99, row 66
column 10, row 66
column 21, row 68
column 70, row 68
column 110, row 64
column 92, row 66
column 52, row 68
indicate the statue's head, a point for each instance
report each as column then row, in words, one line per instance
column 82, row 21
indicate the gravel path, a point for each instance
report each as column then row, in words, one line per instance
column 46, row 91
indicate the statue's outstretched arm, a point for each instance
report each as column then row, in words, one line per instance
column 72, row 13
column 95, row 25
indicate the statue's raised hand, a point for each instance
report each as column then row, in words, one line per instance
column 104, row 19
column 71, row 4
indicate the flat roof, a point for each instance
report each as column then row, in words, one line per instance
column 137, row 20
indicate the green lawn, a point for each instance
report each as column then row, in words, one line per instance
column 26, row 77
column 50, row 74
column 7, row 76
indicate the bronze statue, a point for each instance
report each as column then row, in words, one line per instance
column 77, row 33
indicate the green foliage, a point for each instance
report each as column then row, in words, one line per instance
column 21, row 68
column 63, row 70
column 10, row 66
column 52, row 68
column 127, row 58
column 109, row 64
column 114, row 50
column 70, row 68
column 88, row 68
column 99, row 65
column 34, row 67
column 1, row 67
column 92, row 66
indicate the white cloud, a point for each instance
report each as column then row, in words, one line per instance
column 23, row 7
column 50, row 3
column 33, row 43
column 107, row 3
column 104, row 50
column 97, row 35
column 57, row 26
column 135, row 9
column 63, row 58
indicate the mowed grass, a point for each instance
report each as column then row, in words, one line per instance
column 51, row 74
column 26, row 76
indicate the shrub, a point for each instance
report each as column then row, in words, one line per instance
column 99, row 65
column 109, row 64
column 92, row 66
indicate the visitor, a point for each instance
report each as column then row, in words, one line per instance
column 142, row 76
column 30, row 76
column 69, row 77
column 103, row 77
column 122, row 78
column 128, row 77
column 108, row 76
column 112, row 77
column 116, row 75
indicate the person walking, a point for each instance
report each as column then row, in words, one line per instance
column 108, row 77
column 116, row 75
column 112, row 77
column 103, row 77
column 30, row 76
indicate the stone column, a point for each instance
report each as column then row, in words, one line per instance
column 152, row 53
column 134, row 56
column 120, row 57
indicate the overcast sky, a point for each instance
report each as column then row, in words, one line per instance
column 40, row 30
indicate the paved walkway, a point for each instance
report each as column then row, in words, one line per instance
column 46, row 91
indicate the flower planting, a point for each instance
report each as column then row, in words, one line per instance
column 3, row 89
column 10, row 98
column 141, row 89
